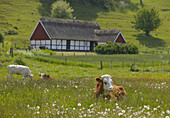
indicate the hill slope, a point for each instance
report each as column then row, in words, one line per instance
column 21, row 17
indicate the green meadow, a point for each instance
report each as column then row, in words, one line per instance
column 71, row 93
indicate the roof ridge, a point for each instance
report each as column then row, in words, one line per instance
column 69, row 21
column 106, row 31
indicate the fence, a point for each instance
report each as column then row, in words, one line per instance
column 89, row 59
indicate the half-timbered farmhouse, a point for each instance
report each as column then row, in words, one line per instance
column 71, row 35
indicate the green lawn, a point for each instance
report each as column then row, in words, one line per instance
column 71, row 94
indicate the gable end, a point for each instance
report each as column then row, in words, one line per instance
column 39, row 33
column 119, row 38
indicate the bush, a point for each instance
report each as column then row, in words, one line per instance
column 116, row 48
column 11, row 32
column 106, row 4
column 16, row 27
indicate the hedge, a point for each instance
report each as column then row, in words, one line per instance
column 116, row 48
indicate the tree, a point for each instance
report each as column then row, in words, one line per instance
column 147, row 20
column 61, row 9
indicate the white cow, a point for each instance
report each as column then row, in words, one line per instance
column 19, row 70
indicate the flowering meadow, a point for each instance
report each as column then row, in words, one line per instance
column 70, row 95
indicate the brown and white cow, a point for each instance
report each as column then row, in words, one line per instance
column 105, row 88
column 46, row 77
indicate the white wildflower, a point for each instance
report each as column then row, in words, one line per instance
column 120, row 114
column 91, row 105
column 79, row 104
column 154, row 109
column 38, row 107
column 167, row 111
column 117, row 107
column 123, row 111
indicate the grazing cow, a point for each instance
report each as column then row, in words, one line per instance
column 45, row 76
column 19, row 70
column 105, row 88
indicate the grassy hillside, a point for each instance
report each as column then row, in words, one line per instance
column 20, row 17
column 21, row 14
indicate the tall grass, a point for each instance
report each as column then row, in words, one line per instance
column 73, row 97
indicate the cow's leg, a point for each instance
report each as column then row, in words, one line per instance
column 10, row 75
column 23, row 76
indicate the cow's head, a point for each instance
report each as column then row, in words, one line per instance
column 42, row 75
column 107, row 83
column 30, row 76
column 104, row 85
column 45, row 76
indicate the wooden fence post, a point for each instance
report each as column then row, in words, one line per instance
column 123, row 63
column 111, row 65
column 144, row 64
column 11, row 51
column 101, row 65
column 66, row 61
column 146, row 51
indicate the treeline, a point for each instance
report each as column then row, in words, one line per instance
column 116, row 48
column 106, row 4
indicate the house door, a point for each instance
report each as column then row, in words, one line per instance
column 91, row 46
column 68, row 44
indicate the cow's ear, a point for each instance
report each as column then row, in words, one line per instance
column 39, row 74
column 98, row 79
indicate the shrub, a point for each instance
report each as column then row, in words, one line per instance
column 11, row 32
column 15, row 27
column 116, row 48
